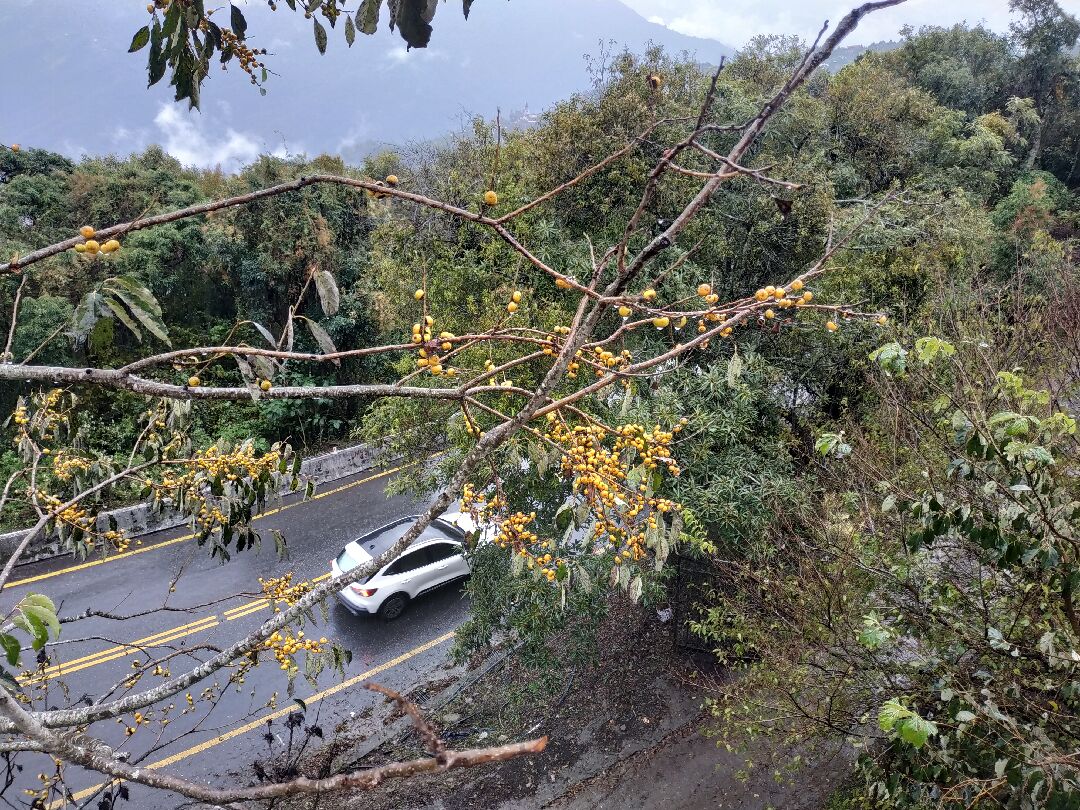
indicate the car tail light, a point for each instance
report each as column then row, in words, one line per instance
column 365, row 592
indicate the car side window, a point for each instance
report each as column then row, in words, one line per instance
column 442, row 551
column 409, row 562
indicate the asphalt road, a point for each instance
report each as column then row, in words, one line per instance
column 217, row 741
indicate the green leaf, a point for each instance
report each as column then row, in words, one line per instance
column 915, row 730
column 301, row 704
column 323, row 339
column 138, row 42
column 367, row 16
column 12, row 648
column 329, row 297
column 320, row 36
column 350, row 30
column 238, row 23
column 636, row 586
column 266, row 334
column 890, row 713
column 158, row 60
column 964, row 716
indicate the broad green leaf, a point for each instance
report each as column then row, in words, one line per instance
column 320, row 36
column 329, row 297
column 323, row 339
column 964, row 716
column 891, row 712
column 367, row 16
column 12, row 648
column 138, row 42
column 915, row 730
column 238, row 23
column 350, row 30
column 265, row 333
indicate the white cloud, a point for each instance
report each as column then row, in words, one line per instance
column 736, row 21
column 184, row 137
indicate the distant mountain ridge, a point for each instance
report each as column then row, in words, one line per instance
column 84, row 94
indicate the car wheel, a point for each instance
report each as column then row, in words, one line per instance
column 393, row 607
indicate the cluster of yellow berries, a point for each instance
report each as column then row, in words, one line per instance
column 599, row 459
column 282, row 589
column 66, row 465
column 514, row 534
column 91, row 247
column 515, row 300
column 246, row 56
column 232, row 466
column 287, row 645
column 137, row 720
column 428, row 357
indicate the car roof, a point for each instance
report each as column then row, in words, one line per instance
column 376, row 542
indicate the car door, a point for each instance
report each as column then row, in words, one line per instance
column 407, row 573
column 447, row 563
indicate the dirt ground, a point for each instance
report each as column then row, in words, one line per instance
column 626, row 733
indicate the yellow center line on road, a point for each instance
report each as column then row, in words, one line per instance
column 247, row 610
column 276, row 715
column 130, row 648
column 175, row 540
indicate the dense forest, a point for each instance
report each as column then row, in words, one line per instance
column 889, row 505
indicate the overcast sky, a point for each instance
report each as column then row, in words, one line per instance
column 735, row 21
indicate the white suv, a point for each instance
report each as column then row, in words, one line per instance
column 434, row 559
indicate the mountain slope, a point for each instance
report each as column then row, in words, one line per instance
column 84, row 94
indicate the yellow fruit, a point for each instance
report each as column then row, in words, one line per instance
column 808, row 296
column 712, row 298
column 92, row 246
column 511, row 307
column 882, row 320
column 391, row 180
column 562, row 283
column 80, row 248
column 193, row 381
column 111, row 246
column 86, row 231
column 661, row 322
column 654, row 80
column 265, row 385
column 15, row 147
column 770, row 314
column 761, row 295
column 451, row 372
column 625, row 311
column 778, row 293
column 491, row 198
column 436, row 369
column 418, row 295
column 516, row 297
column 150, row 8
column 796, row 285
column 681, row 322
column 770, row 290
column 649, row 294
column 704, row 289
column 447, row 346
column 831, row 326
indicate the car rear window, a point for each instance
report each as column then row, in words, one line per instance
column 345, row 562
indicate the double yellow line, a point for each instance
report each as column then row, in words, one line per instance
column 275, row 715
column 156, row 640
column 122, row 650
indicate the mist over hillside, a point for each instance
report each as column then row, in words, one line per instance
column 83, row 94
